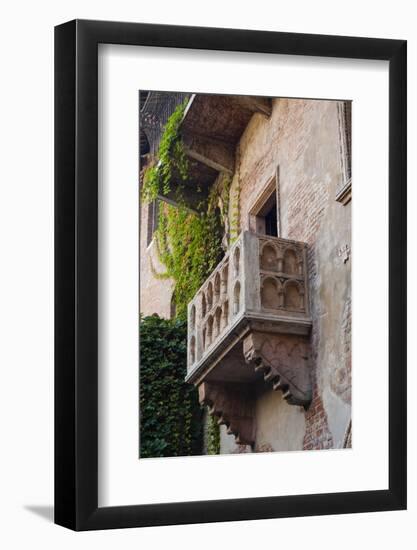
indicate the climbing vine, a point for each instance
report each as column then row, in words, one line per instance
column 220, row 198
column 235, row 204
column 171, row 159
column 189, row 243
column 189, row 246
column 213, row 436
column 170, row 416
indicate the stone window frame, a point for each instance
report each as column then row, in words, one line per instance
column 344, row 116
column 272, row 186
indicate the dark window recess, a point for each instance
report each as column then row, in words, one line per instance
column 344, row 187
column 263, row 218
column 271, row 222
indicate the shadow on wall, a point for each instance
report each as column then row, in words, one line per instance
column 45, row 512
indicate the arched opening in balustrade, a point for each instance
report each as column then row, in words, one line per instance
column 192, row 317
column 209, row 296
column 192, row 350
column 270, row 294
column 203, row 305
column 209, row 334
column 269, row 258
column 224, row 279
column 236, row 261
column 225, row 315
column 217, row 322
column 217, row 287
column 292, row 296
column 236, row 298
column 290, row 261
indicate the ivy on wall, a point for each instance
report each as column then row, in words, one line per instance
column 171, row 158
column 189, row 244
column 235, row 203
column 170, row 416
column 213, row 436
column 220, row 198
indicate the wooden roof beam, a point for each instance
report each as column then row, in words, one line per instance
column 255, row 104
column 213, row 153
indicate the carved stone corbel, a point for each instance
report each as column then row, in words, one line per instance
column 283, row 360
column 233, row 405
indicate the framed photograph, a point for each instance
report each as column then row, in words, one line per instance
column 230, row 254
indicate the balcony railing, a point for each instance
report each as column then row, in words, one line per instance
column 248, row 325
column 262, row 279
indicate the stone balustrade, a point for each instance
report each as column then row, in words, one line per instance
column 262, row 278
column 249, row 325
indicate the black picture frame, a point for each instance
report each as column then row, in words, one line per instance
column 76, row 272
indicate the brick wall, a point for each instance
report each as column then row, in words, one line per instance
column 301, row 138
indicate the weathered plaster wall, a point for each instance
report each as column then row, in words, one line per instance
column 228, row 444
column 279, row 426
column 155, row 294
column 301, row 138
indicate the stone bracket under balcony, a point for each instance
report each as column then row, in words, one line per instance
column 233, row 405
column 249, row 325
column 284, row 362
